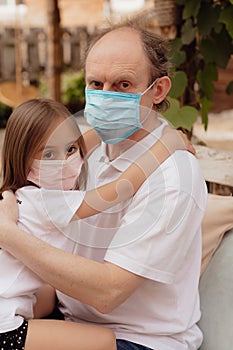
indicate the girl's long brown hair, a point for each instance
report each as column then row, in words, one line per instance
column 26, row 130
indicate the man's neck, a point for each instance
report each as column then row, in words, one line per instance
column 151, row 123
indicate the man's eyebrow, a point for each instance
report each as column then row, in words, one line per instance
column 91, row 78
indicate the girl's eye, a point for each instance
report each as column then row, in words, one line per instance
column 71, row 149
column 48, row 155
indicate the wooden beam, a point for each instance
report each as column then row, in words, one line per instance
column 217, row 166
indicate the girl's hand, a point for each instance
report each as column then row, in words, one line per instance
column 8, row 210
column 174, row 140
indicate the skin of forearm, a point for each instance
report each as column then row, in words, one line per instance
column 98, row 285
column 91, row 139
column 126, row 185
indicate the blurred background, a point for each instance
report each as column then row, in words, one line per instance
column 42, row 45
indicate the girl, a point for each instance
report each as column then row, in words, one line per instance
column 43, row 158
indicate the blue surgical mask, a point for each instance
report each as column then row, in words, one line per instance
column 113, row 115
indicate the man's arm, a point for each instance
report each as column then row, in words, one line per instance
column 103, row 286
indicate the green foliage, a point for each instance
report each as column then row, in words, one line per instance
column 177, row 115
column 5, row 112
column 204, row 42
column 179, row 84
column 73, row 87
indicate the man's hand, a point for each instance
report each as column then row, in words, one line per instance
column 8, row 209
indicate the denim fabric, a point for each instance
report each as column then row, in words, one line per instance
column 127, row 345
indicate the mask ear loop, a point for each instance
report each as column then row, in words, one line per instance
column 144, row 92
column 149, row 87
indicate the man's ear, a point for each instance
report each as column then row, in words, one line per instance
column 161, row 89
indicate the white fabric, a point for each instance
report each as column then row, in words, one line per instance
column 157, row 234
column 38, row 214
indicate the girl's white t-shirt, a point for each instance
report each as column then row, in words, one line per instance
column 47, row 215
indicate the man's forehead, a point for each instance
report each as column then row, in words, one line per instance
column 116, row 49
column 118, row 41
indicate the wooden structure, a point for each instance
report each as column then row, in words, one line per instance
column 34, row 52
column 217, row 167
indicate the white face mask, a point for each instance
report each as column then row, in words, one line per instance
column 56, row 174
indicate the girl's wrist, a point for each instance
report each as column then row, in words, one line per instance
column 7, row 233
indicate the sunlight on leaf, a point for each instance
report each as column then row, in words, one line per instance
column 183, row 117
column 226, row 17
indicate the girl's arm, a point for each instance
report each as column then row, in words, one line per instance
column 91, row 140
column 96, row 284
column 127, row 184
column 45, row 301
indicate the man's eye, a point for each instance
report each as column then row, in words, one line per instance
column 96, row 85
column 124, row 85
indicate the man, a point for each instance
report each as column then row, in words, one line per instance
column 136, row 267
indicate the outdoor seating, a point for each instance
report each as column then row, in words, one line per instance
column 216, row 283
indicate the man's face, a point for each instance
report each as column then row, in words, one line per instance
column 117, row 62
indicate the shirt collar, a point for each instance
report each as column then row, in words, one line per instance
column 132, row 153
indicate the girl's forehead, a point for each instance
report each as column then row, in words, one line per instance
column 64, row 131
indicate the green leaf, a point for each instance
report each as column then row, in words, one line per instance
column 179, row 83
column 218, row 27
column 175, row 44
column 205, row 79
column 207, row 18
column 226, row 17
column 208, row 50
column 187, row 117
column 210, row 72
column 217, row 48
column 207, row 87
column 223, row 47
column 191, row 8
column 205, row 107
column 231, row 1
column 174, row 104
column 177, row 55
column 188, row 32
column 183, row 117
column 229, row 88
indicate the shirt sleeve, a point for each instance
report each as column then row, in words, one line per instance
column 163, row 222
column 61, row 206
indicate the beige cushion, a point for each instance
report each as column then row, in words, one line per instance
column 217, row 220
